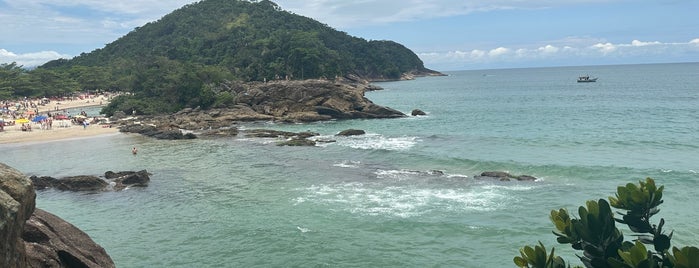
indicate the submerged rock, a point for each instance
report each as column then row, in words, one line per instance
column 417, row 112
column 503, row 176
column 351, row 132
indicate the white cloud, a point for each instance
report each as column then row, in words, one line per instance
column 637, row 43
column 567, row 54
column 605, row 48
column 497, row 52
column 548, row 49
column 29, row 59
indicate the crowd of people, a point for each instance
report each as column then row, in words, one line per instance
column 44, row 112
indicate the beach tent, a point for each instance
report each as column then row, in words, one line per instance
column 60, row 117
column 39, row 118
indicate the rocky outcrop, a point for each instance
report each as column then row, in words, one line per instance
column 504, row 176
column 50, row 241
column 161, row 133
column 121, row 180
column 31, row 237
column 16, row 206
column 283, row 101
column 126, row 179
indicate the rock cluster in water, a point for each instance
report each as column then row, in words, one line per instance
column 35, row 238
column 112, row 180
column 281, row 101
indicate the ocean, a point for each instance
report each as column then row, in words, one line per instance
column 404, row 194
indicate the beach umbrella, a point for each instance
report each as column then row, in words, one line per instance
column 29, row 112
column 22, row 121
column 39, row 118
column 60, row 117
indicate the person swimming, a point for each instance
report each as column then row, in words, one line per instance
column 134, row 150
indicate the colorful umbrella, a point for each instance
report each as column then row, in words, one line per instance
column 39, row 118
column 22, row 121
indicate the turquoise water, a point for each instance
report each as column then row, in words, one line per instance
column 375, row 200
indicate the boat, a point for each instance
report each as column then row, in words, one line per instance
column 586, row 79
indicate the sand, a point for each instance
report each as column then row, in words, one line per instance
column 13, row 134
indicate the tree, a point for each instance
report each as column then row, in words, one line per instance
column 603, row 245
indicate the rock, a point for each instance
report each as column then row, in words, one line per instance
column 81, row 183
column 297, row 142
column 351, row 132
column 16, row 206
column 222, row 132
column 43, row 182
column 417, row 112
column 504, row 176
column 131, row 178
column 50, row 241
column 35, row 238
column 165, row 133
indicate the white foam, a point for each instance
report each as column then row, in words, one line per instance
column 348, row 164
column 303, row 230
column 378, row 142
column 406, row 201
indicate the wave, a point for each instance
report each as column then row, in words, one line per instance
column 371, row 141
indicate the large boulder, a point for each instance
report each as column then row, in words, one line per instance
column 51, row 242
column 16, row 206
column 31, row 237
column 81, row 183
column 124, row 179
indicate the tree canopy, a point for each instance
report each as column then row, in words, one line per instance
column 178, row 58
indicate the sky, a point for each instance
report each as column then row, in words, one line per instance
column 446, row 34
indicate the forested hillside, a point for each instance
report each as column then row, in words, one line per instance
column 178, row 60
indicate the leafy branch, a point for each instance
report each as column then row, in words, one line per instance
column 594, row 233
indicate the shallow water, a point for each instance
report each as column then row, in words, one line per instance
column 378, row 200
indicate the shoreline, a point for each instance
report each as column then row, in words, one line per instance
column 14, row 135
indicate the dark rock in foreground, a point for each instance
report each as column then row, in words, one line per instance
column 80, row 183
column 34, row 238
column 122, row 180
column 503, row 176
column 52, row 242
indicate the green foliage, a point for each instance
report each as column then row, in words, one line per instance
column 594, row 232
column 177, row 58
column 687, row 257
column 536, row 257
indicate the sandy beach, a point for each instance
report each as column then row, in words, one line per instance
column 13, row 134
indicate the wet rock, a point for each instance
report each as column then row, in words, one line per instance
column 80, row 183
column 417, row 112
column 503, row 176
column 351, row 132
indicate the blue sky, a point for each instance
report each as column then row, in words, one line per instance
column 446, row 34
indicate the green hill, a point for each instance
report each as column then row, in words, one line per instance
column 179, row 59
column 256, row 40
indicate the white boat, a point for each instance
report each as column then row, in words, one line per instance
column 586, row 79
